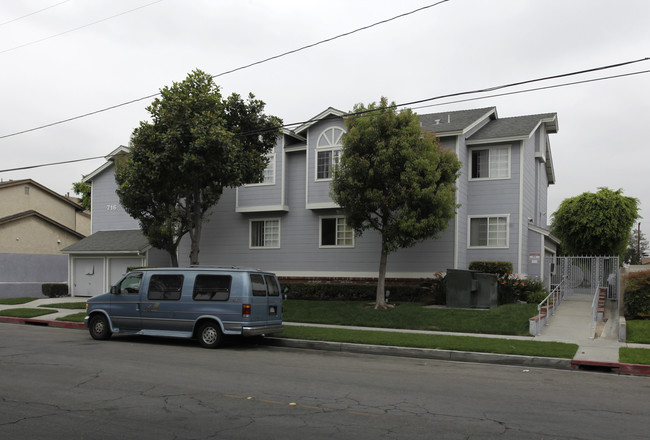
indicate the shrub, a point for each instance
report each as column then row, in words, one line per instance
column 54, row 290
column 437, row 288
column 536, row 297
column 501, row 268
column 350, row 292
column 637, row 295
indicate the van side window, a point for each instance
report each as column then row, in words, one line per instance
column 131, row 284
column 212, row 288
column 165, row 287
column 272, row 285
column 257, row 281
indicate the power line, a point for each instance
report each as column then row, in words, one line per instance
column 226, row 72
column 33, row 13
column 29, row 167
column 404, row 105
column 78, row 28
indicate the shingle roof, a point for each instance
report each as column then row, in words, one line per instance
column 456, row 122
column 515, row 127
column 128, row 241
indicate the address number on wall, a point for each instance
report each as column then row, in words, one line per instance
column 111, row 207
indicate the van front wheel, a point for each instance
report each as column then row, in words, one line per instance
column 210, row 335
column 98, row 327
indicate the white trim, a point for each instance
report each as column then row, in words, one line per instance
column 489, row 148
column 322, row 205
column 250, row 232
column 320, row 233
column 469, row 229
column 316, row 119
column 265, row 208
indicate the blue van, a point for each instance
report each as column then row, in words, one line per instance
column 202, row 303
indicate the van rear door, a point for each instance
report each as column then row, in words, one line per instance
column 266, row 307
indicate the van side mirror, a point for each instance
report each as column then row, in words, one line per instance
column 115, row 290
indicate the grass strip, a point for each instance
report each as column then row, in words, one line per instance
column 25, row 313
column 16, row 301
column 68, row 305
column 510, row 319
column 440, row 342
column 638, row 331
column 628, row 355
column 75, row 317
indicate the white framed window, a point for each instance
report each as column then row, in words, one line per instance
column 488, row 231
column 265, row 233
column 335, row 232
column 268, row 175
column 490, row 163
column 328, row 152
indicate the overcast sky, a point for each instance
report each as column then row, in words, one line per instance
column 79, row 56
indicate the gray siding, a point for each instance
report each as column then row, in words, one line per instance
column 318, row 192
column 263, row 197
column 107, row 212
column 23, row 274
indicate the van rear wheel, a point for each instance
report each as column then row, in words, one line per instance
column 210, row 335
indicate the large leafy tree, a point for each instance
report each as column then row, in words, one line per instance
column 395, row 179
column 197, row 144
column 595, row 223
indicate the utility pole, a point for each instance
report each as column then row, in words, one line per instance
column 638, row 243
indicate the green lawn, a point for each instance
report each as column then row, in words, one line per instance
column 75, row 317
column 634, row 355
column 68, row 305
column 638, row 331
column 441, row 342
column 25, row 313
column 510, row 319
column 15, row 301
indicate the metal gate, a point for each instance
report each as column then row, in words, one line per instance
column 582, row 275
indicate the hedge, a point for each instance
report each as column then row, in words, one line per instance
column 54, row 290
column 353, row 292
column 497, row 267
column 637, row 295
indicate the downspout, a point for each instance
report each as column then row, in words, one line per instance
column 520, row 245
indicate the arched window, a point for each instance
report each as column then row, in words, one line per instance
column 328, row 153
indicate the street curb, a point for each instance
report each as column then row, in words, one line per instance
column 424, row 353
column 614, row 367
column 42, row 322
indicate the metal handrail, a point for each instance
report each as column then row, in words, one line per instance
column 557, row 294
column 594, row 313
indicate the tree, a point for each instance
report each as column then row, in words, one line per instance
column 596, row 223
column 197, row 144
column 395, row 179
column 636, row 247
column 84, row 189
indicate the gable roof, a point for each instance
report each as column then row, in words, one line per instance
column 35, row 214
column 456, row 122
column 111, row 242
column 329, row 112
column 12, row 183
column 110, row 159
column 514, row 129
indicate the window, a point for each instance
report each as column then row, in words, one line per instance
column 335, row 232
column 131, row 284
column 269, row 172
column 489, row 232
column 165, row 287
column 257, row 283
column 272, row 285
column 265, row 233
column 212, row 288
column 328, row 153
column 490, row 163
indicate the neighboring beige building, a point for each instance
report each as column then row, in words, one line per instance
column 36, row 220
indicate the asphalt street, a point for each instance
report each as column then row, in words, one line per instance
column 59, row 383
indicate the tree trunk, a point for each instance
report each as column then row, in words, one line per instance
column 381, row 281
column 174, row 258
column 195, row 229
